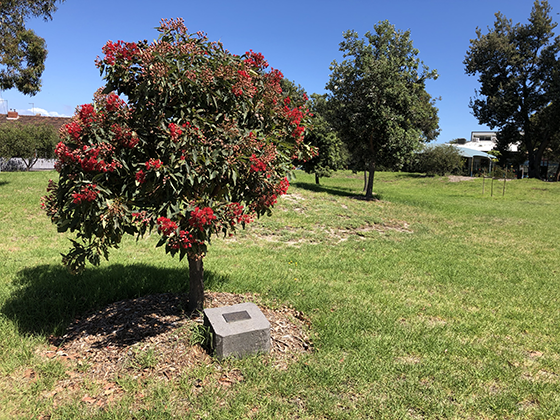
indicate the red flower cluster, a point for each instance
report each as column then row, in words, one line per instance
column 86, row 193
column 87, row 158
column 153, row 164
column 200, row 218
column 183, row 240
column 267, row 201
column 255, row 60
column 295, row 115
column 175, row 131
column 234, row 213
column 244, row 85
column 119, row 51
column 113, row 102
column 282, row 187
column 74, row 130
column 124, row 136
column 257, row 165
column 141, row 217
column 166, row 226
column 140, row 176
column 87, row 114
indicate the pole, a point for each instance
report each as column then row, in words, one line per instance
column 505, row 178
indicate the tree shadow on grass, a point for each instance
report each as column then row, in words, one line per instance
column 338, row 191
column 48, row 298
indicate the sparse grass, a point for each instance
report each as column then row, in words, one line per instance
column 433, row 302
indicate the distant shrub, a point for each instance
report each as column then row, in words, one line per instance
column 442, row 159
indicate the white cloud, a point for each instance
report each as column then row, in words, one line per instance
column 40, row 111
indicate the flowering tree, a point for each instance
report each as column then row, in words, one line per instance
column 203, row 145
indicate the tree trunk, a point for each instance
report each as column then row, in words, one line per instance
column 534, row 166
column 369, row 188
column 316, row 178
column 196, row 283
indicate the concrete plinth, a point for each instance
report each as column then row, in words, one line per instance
column 238, row 330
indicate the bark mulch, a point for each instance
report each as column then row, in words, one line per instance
column 153, row 336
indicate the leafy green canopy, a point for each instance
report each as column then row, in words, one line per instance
column 442, row 159
column 203, row 144
column 332, row 153
column 22, row 52
column 27, row 141
column 517, row 67
column 381, row 108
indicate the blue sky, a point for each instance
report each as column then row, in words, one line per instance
column 300, row 38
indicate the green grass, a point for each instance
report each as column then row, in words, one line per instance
column 434, row 302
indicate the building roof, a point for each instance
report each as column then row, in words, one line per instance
column 13, row 116
column 470, row 153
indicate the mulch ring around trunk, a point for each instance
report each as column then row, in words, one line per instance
column 152, row 337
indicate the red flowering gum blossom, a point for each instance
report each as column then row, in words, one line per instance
column 166, row 226
column 183, row 240
column 255, row 60
column 86, row 194
column 87, row 114
column 140, row 176
column 257, row 165
column 153, row 164
column 118, row 51
column 174, row 131
column 74, row 130
column 283, row 186
column 113, row 102
column 234, row 213
column 200, row 218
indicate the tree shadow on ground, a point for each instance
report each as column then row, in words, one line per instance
column 47, row 298
column 338, row 191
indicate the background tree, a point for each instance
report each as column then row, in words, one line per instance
column 332, row 154
column 22, row 52
column 28, row 142
column 381, row 108
column 203, row 146
column 442, row 159
column 517, row 67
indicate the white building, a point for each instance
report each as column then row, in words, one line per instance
column 484, row 141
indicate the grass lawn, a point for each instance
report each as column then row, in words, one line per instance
column 434, row 302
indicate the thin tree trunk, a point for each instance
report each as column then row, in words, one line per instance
column 196, row 284
column 369, row 190
column 316, row 178
column 365, row 181
column 534, row 166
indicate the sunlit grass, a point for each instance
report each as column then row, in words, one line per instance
column 435, row 301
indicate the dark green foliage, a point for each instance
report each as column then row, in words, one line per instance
column 381, row 109
column 22, row 52
column 442, row 159
column 28, row 142
column 332, row 152
column 517, row 67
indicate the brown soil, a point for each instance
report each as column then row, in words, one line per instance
column 456, row 178
column 153, row 337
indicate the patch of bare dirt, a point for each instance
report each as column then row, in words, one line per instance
column 152, row 336
column 457, row 178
